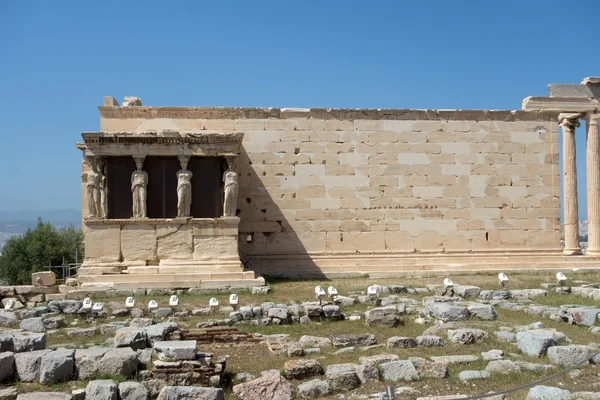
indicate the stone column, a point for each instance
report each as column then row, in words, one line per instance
column 593, row 184
column 568, row 123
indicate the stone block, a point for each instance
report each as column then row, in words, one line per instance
column 44, row 278
column 121, row 361
column 28, row 365
column 214, row 247
column 57, row 366
column 174, row 242
column 102, row 243
column 178, row 350
column 7, row 366
column 104, row 389
column 402, row 370
column 138, row 242
column 87, row 361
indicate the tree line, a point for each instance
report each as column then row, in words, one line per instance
column 37, row 248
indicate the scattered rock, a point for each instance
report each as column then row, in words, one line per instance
column 472, row 375
column 401, row 342
column 383, row 316
column 507, row 337
column 301, row 369
column 447, row 312
column 536, row 342
column 135, row 338
column 313, row 389
column 402, row 370
column 104, row 389
column 502, row 367
column 294, row 349
column 528, row 294
column 132, row 391
column 192, row 393
column 57, row 366
column 332, row 311
column 8, row 318
column 7, row 365
column 343, row 381
column 28, row 365
column 345, row 340
column 430, row 341
column 87, row 360
column 65, row 306
column 9, row 393
column 367, row 373
column 569, row 356
column 428, row 369
column 344, row 301
column 121, row 361
column 270, row 386
column 44, row 396
column 178, row 350
column 482, row 311
column 584, row 316
column 467, row 290
column 459, row 359
column 548, row 393
column 378, row 359
column 467, row 335
column 492, row 355
column 243, row 377
column 314, row 341
column 33, row 324
column 79, row 332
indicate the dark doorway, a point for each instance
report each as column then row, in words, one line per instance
column 118, row 179
column 162, row 186
column 206, row 187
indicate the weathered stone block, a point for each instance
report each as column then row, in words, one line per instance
column 174, row 242
column 138, row 242
column 102, row 243
column 44, row 278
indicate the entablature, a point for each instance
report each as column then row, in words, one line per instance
column 207, row 144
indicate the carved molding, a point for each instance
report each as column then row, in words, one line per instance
column 321, row 113
column 155, row 138
column 222, row 221
column 203, row 144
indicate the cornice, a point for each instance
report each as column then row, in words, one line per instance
column 156, row 138
column 143, row 112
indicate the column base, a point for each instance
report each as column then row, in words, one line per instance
column 592, row 253
column 572, row 252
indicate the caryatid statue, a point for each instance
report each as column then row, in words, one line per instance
column 93, row 190
column 139, row 181
column 103, row 208
column 184, row 188
column 230, row 179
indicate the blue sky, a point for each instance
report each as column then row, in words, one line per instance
column 58, row 59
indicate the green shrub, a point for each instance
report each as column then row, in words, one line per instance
column 37, row 248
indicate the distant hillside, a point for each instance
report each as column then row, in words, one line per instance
column 19, row 221
column 14, row 223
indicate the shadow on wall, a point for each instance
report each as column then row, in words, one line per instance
column 271, row 241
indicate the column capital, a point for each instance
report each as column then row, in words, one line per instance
column 569, row 121
column 593, row 119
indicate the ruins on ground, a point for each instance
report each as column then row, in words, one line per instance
column 217, row 197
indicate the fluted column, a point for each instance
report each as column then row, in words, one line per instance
column 593, row 184
column 568, row 123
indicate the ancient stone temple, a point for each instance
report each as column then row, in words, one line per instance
column 180, row 196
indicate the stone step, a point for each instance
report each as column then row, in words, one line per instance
column 418, row 261
column 213, row 276
column 203, row 284
column 401, row 266
column 184, row 269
